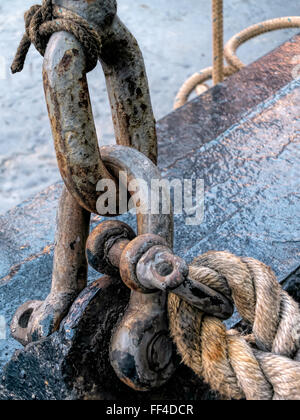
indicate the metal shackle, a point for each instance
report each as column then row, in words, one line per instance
column 76, row 144
column 157, row 268
column 68, row 99
column 142, row 352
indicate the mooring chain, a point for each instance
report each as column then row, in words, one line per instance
column 41, row 22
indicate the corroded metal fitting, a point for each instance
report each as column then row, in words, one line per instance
column 105, row 245
column 153, row 360
column 37, row 319
column 68, row 100
column 141, row 352
column 160, row 269
column 130, row 257
column 20, row 321
column 80, row 162
column 146, row 265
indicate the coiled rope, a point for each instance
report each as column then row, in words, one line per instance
column 253, row 31
column 262, row 366
column 217, row 71
column 41, row 23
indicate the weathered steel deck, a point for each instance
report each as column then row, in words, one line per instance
column 242, row 138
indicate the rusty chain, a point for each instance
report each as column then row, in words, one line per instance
column 76, row 143
column 82, row 165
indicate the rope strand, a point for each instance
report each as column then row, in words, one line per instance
column 262, row 366
column 41, row 23
column 218, row 41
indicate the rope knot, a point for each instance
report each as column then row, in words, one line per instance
column 41, row 22
column 264, row 365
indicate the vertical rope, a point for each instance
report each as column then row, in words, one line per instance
column 218, row 41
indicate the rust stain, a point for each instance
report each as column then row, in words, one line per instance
column 67, row 59
column 77, row 177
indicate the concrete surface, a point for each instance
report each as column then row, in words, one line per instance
column 175, row 37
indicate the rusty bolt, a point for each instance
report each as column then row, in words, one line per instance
column 160, row 269
column 131, row 256
column 147, row 265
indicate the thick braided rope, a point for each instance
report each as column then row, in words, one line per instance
column 41, row 23
column 218, row 41
column 262, row 366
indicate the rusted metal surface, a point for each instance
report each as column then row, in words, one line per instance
column 68, row 100
column 205, row 299
column 19, row 323
column 139, row 167
column 77, row 150
column 128, row 91
column 70, row 113
column 105, row 244
column 115, row 252
column 69, row 276
column 147, row 265
column 142, row 352
column 131, row 256
column 160, row 269
column 125, row 74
